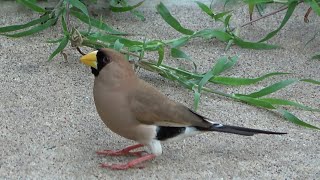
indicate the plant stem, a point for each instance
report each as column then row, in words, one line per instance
column 267, row 15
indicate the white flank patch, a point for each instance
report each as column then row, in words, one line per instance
column 155, row 147
column 190, row 131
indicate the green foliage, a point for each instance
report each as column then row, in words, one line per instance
column 100, row 35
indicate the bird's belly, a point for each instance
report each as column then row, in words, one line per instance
column 124, row 125
column 137, row 132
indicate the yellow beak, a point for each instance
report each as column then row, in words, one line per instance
column 90, row 59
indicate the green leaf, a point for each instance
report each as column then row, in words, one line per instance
column 234, row 81
column 317, row 56
column 251, row 8
column 161, row 55
column 254, row 101
column 213, row 33
column 257, row 1
column 311, row 81
column 54, row 41
column 32, row 6
column 254, row 45
column 112, row 39
column 126, row 8
column 176, row 43
column 272, row 88
column 219, row 16
column 95, row 23
column 223, row 64
column 22, row 26
column 291, row 8
column 165, row 14
column 138, row 14
column 227, row 21
column 177, row 53
column 314, row 5
column 61, row 46
column 292, row 118
column 284, row 102
column 206, row 78
column 205, row 8
column 32, row 30
column 117, row 45
column 79, row 5
column 64, row 26
column 196, row 97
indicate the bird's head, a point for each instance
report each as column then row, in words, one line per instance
column 108, row 62
column 97, row 59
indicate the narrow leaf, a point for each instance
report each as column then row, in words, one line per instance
column 61, row 46
column 317, row 56
column 32, row 30
column 291, row 8
column 32, row 6
column 79, row 5
column 117, row 45
column 177, row 53
column 254, row 101
column 165, row 14
column 315, row 6
column 205, row 79
column 54, row 41
column 64, row 26
column 234, row 81
column 205, row 8
column 292, row 118
column 284, row 102
column 176, row 43
column 254, row 45
column 161, row 55
column 223, row 64
column 213, row 33
column 126, row 8
column 196, row 97
column 112, row 39
column 22, row 26
column 311, row 81
column 272, row 88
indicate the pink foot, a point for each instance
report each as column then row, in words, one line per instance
column 125, row 151
column 120, row 153
column 130, row 164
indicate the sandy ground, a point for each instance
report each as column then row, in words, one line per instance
column 50, row 128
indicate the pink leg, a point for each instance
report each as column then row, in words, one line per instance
column 125, row 151
column 130, row 164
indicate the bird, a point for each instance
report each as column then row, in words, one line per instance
column 134, row 109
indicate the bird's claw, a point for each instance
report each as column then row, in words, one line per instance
column 120, row 153
column 120, row 166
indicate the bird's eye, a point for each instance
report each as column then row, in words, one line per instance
column 105, row 60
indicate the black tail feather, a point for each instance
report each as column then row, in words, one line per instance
column 237, row 130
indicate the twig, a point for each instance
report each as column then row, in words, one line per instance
column 79, row 50
column 267, row 15
column 262, row 17
column 306, row 20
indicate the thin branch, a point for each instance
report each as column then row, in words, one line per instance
column 264, row 16
column 79, row 50
column 267, row 15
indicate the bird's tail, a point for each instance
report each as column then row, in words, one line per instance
column 236, row 130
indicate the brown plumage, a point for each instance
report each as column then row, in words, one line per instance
column 136, row 110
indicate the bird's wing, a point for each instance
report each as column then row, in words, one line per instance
column 149, row 106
